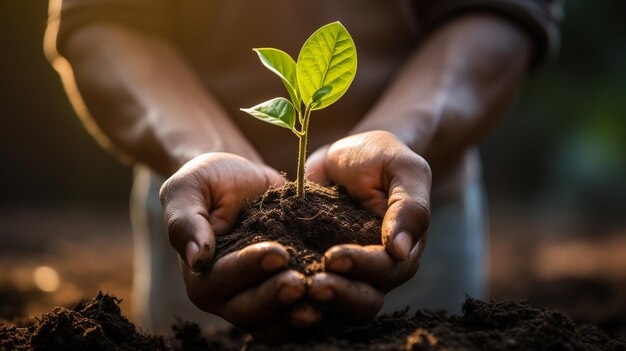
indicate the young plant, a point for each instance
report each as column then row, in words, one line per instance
column 325, row 69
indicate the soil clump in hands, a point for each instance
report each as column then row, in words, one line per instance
column 306, row 226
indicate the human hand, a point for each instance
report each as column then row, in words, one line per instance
column 201, row 201
column 392, row 181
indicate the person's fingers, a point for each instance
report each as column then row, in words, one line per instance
column 408, row 204
column 355, row 163
column 265, row 303
column 237, row 183
column 244, row 268
column 371, row 264
column 212, row 292
column 316, row 168
column 186, row 221
column 273, row 177
column 193, row 234
column 204, row 198
column 352, row 301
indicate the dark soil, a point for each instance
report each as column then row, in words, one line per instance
column 594, row 300
column 495, row 325
column 307, row 226
column 326, row 217
column 94, row 325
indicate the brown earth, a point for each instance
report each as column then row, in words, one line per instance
column 496, row 325
column 94, row 325
column 529, row 260
column 306, row 226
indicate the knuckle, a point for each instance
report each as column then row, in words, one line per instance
column 426, row 171
column 382, row 135
column 182, row 185
column 176, row 183
column 164, row 191
column 409, row 160
column 422, row 165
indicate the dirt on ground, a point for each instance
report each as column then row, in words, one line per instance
column 529, row 260
column 497, row 325
column 306, row 226
column 93, row 325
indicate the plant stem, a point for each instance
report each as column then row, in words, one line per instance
column 302, row 153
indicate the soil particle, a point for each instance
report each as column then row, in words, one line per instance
column 307, row 226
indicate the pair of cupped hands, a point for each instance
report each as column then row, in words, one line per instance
column 251, row 288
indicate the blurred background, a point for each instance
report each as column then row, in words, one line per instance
column 555, row 171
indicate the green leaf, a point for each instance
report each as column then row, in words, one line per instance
column 284, row 67
column 320, row 93
column 328, row 58
column 278, row 111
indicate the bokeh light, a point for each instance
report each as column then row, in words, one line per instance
column 46, row 278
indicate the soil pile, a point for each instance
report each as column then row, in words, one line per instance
column 307, row 226
column 495, row 325
column 94, row 325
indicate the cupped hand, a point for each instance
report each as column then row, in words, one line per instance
column 249, row 287
column 390, row 180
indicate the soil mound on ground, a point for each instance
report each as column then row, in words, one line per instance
column 307, row 226
column 495, row 325
column 94, row 325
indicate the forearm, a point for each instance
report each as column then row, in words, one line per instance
column 454, row 87
column 146, row 100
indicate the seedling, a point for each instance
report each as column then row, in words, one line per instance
column 325, row 69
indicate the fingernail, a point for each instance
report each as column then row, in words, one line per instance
column 204, row 256
column 403, row 243
column 340, row 265
column 324, row 295
column 272, row 262
column 191, row 251
column 288, row 294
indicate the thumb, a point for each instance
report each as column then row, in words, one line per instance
column 187, row 226
column 408, row 207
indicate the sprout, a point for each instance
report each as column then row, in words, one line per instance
column 325, row 69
